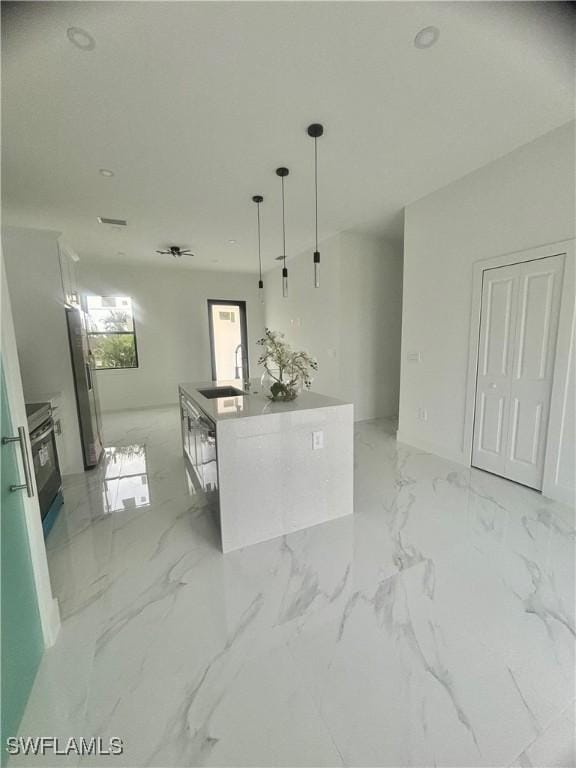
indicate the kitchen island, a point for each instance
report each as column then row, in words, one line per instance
column 267, row 468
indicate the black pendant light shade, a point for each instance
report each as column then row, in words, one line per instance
column 259, row 199
column 283, row 172
column 315, row 131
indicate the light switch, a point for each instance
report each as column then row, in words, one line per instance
column 317, row 440
column 414, row 357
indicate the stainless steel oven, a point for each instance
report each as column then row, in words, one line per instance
column 45, row 459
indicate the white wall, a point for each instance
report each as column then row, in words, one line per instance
column 351, row 324
column 519, row 201
column 37, row 298
column 171, row 318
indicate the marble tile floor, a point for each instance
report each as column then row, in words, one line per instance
column 434, row 627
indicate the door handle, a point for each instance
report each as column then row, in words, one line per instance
column 25, row 461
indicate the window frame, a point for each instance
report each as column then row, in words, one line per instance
column 242, row 316
column 132, row 333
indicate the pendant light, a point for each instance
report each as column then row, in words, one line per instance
column 258, row 199
column 283, row 172
column 315, row 131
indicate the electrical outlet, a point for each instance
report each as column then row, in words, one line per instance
column 317, row 440
column 422, row 414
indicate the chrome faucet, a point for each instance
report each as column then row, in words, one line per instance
column 238, row 368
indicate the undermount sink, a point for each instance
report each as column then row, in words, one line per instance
column 214, row 392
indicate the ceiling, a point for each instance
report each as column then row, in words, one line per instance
column 194, row 105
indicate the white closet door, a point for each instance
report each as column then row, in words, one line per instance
column 520, row 307
column 497, row 329
column 540, row 284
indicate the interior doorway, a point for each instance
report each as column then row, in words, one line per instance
column 517, row 348
column 228, row 340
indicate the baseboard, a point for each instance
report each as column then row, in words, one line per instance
column 562, row 493
column 377, row 417
column 173, row 404
column 51, row 625
column 438, row 450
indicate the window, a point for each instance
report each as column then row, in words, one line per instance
column 111, row 333
column 228, row 339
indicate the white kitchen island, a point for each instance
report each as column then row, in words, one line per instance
column 268, row 468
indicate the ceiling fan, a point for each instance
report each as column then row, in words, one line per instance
column 176, row 251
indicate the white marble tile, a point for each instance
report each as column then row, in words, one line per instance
column 435, row 626
column 445, row 698
column 555, row 748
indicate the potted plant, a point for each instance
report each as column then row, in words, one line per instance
column 286, row 371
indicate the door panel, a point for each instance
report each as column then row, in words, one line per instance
column 497, row 328
column 491, row 423
column 540, row 284
column 499, row 316
column 518, row 327
column 22, row 641
column 534, row 325
column 526, row 431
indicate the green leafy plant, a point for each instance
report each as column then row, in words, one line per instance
column 288, row 369
column 117, row 320
column 114, row 351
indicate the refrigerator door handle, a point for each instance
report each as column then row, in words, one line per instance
column 89, row 375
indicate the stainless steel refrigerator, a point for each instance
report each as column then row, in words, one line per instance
column 86, row 390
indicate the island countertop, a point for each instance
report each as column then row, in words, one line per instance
column 252, row 403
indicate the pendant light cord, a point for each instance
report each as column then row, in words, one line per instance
column 283, row 225
column 259, row 250
column 316, row 184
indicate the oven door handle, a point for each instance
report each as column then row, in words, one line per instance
column 41, row 437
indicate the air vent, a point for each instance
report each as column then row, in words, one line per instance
column 114, row 222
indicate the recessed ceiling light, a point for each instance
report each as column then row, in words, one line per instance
column 106, row 172
column 427, row 37
column 232, row 242
column 120, row 253
column 80, row 38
